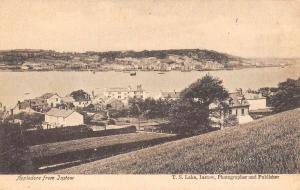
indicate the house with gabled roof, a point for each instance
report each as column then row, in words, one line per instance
column 239, row 106
column 30, row 106
column 52, row 99
column 62, row 118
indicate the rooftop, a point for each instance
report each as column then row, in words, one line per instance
column 237, row 99
column 59, row 112
column 48, row 95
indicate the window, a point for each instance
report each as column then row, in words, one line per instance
column 236, row 112
column 230, row 111
column 243, row 112
column 119, row 97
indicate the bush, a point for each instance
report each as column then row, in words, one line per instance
column 15, row 154
column 111, row 122
column 287, row 96
column 230, row 121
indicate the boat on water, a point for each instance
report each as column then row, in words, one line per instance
column 160, row 73
column 132, row 73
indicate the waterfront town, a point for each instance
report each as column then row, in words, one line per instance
column 184, row 60
column 76, row 108
column 189, row 90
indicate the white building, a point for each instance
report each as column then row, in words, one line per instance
column 52, row 99
column 62, row 118
column 124, row 94
column 239, row 106
column 256, row 101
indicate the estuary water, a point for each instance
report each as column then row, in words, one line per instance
column 16, row 86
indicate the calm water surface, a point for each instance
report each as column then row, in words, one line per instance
column 16, row 86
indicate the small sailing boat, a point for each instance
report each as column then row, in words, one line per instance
column 132, row 73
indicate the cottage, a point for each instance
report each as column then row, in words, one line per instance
column 62, row 118
column 52, row 99
column 30, row 106
column 239, row 106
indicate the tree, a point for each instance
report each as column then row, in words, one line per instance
column 15, row 154
column 191, row 113
column 80, row 95
column 29, row 120
column 149, row 108
column 287, row 96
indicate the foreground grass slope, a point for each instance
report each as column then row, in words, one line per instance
column 268, row 145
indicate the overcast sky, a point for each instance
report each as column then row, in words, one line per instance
column 251, row 28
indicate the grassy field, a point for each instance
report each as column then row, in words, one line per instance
column 51, row 149
column 268, row 145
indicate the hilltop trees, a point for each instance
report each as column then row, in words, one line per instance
column 191, row 113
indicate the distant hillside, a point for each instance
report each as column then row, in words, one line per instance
column 161, row 60
column 268, row 145
column 22, row 55
column 18, row 57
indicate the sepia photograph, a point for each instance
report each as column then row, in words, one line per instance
column 197, row 89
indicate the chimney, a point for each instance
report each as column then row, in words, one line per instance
column 19, row 105
column 239, row 91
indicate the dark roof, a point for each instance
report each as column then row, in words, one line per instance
column 237, row 100
column 59, row 112
column 48, row 95
column 23, row 105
